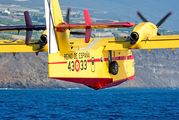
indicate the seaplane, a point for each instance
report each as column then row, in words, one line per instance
column 98, row 63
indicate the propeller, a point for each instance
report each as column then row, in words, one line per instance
column 68, row 15
column 68, row 22
column 141, row 16
column 164, row 18
column 159, row 23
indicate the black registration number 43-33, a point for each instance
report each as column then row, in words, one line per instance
column 77, row 65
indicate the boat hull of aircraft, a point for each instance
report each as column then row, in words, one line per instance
column 91, row 67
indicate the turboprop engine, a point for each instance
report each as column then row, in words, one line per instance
column 144, row 30
column 43, row 40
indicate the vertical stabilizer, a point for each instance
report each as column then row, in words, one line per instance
column 57, row 41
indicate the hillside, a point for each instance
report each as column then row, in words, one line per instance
column 28, row 71
column 158, row 69
column 124, row 10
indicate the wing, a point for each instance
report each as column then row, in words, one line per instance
column 123, row 43
column 26, row 45
column 155, row 42
column 13, row 46
column 96, row 43
column 159, row 42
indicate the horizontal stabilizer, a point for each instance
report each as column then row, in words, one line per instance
column 23, row 27
column 89, row 26
column 61, row 27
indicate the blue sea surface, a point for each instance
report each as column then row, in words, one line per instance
column 108, row 104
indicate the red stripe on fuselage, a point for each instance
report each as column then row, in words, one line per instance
column 95, row 60
column 130, row 57
column 120, row 58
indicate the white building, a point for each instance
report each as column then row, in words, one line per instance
column 6, row 11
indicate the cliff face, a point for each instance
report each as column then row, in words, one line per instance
column 158, row 69
column 28, row 71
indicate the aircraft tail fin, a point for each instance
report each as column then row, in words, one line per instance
column 56, row 40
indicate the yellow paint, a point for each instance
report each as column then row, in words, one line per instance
column 21, row 47
column 62, row 37
column 173, row 49
column 57, row 15
column 64, row 63
column 98, row 70
column 145, row 30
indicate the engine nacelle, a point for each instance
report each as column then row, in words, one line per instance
column 141, row 32
column 43, row 40
column 134, row 38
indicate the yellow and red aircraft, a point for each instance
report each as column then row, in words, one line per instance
column 95, row 62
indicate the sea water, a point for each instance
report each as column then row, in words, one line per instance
column 86, row 104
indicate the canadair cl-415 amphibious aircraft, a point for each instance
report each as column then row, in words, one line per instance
column 95, row 62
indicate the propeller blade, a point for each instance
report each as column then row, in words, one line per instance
column 141, row 16
column 77, row 33
column 68, row 15
column 162, row 20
